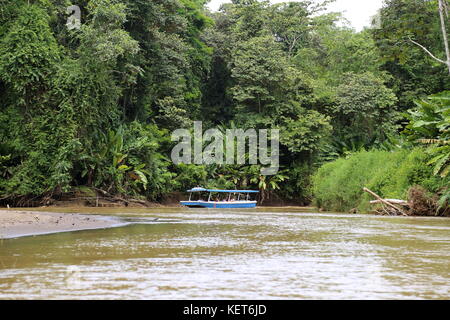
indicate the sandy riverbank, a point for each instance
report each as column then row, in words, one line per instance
column 15, row 224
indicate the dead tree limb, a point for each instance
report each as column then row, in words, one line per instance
column 443, row 13
column 393, row 201
column 383, row 201
column 428, row 52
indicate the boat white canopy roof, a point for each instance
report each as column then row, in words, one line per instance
column 222, row 191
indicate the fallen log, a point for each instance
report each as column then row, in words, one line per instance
column 113, row 199
column 385, row 202
column 392, row 201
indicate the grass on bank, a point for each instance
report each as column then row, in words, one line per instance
column 337, row 186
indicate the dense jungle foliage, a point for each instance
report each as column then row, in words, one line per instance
column 95, row 106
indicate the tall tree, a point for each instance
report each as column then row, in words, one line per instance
column 443, row 13
column 414, row 74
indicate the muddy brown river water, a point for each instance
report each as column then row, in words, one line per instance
column 233, row 254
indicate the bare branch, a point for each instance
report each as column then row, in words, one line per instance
column 387, row 203
column 427, row 51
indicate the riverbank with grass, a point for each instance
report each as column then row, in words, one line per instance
column 403, row 174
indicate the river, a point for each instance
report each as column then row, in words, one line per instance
column 233, row 254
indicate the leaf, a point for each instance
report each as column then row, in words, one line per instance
column 445, row 172
column 119, row 158
column 124, row 168
column 139, row 167
column 422, row 123
column 142, row 178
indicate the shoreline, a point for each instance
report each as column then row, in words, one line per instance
column 16, row 223
column 24, row 222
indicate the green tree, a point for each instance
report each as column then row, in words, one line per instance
column 415, row 73
column 430, row 125
column 28, row 55
column 364, row 110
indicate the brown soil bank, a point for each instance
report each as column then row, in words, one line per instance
column 86, row 197
column 94, row 197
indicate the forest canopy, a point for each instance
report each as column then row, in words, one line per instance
column 94, row 106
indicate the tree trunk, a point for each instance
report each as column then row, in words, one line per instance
column 443, row 13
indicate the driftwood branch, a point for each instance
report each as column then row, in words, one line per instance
column 393, row 201
column 385, row 202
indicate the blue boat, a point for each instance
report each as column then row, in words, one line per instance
column 212, row 198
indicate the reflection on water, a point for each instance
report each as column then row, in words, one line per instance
column 232, row 254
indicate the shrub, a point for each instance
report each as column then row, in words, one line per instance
column 338, row 185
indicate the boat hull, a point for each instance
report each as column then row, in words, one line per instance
column 218, row 205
